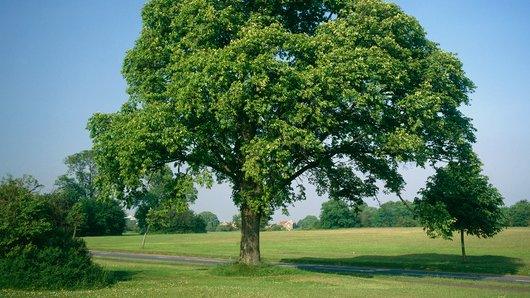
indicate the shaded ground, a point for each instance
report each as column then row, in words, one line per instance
column 339, row 269
column 499, row 265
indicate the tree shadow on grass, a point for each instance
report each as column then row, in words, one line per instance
column 116, row 276
column 430, row 262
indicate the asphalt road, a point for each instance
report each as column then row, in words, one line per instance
column 339, row 269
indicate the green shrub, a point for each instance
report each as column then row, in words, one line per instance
column 36, row 249
column 58, row 266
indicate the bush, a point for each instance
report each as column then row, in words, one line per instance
column 65, row 265
column 36, row 250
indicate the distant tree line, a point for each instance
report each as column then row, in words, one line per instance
column 518, row 215
column 337, row 214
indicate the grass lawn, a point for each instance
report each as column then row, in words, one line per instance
column 506, row 253
column 163, row 280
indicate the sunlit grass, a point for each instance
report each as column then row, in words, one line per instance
column 163, row 280
column 506, row 253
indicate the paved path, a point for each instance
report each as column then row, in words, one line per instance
column 315, row 267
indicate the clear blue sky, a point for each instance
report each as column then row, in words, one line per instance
column 60, row 62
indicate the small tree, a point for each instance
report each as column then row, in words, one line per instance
column 337, row 214
column 459, row 198
column 76, row 217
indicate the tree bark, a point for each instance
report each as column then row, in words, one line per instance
column 249, row 248
column 462, row 244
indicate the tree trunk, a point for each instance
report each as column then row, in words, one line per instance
column 75, row 230
column 249, row 249
column 462, row 244
column 145, row 235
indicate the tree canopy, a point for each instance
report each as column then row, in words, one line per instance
column 458, row 197
column 262, row 93
column 88, row 211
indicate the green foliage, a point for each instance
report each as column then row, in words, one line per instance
column 394, row 214
column 236, row 221
column 131, row 225
column 175, row 221
column 100, row 218
column 211, row 220
column 518, row 215
column 163, row 192
column 337, row 214
column 309, row 222
column 458, row 197
column 36, row 249
column 367, row 215
column 260, row 93
column 88, row 213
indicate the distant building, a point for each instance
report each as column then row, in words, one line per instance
column 227, row 224
column 287, row 224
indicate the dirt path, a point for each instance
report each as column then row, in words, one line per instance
column 315, row 267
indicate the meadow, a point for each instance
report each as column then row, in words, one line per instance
column 507, row 253
column 408, row 248
column 164, row 280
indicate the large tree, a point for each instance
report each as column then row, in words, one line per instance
column 458, row 197
column 263, row 93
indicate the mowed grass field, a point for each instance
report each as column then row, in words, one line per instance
column 409, row 248
column 164, row 280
